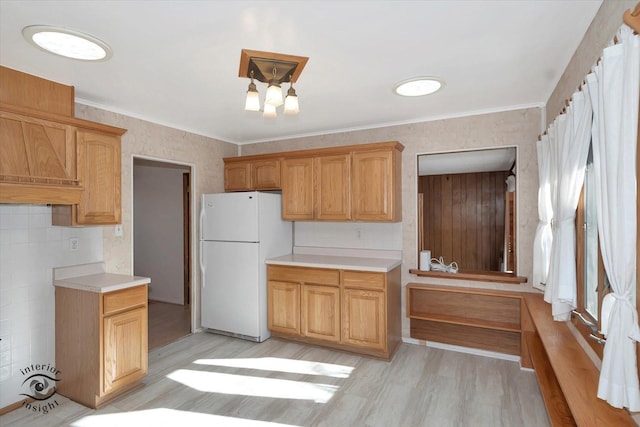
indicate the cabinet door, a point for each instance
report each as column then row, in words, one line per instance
column 125, row 348
column 283, row 307
column 363, row 319
column 374, row 182
column 237, row 176
column 333, row 187
column 265, row 174
column 297, row 189
column 100, row 172
column 321, row 312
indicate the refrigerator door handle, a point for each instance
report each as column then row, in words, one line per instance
column 202, row 217
column 202, row 269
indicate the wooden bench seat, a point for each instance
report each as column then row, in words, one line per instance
column 567, row 377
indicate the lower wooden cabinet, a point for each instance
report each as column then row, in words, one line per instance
column 320, row 312
column 363, row 318
column 357, row 311
column 283, row 312
column 101, row 343
column 125, row 352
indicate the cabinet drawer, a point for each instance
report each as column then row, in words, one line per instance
column 124, row 299
column 363, row 279
column 323, row 276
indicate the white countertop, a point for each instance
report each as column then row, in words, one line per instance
column 92, row 278
column 360, row 260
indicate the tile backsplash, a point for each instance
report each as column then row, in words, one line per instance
column 29, row 249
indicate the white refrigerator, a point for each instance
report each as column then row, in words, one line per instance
column 238, row 231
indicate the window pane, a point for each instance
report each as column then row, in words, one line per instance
column 591, row 242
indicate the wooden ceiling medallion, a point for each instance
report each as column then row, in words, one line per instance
column 288, row 67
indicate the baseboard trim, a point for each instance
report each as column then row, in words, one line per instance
column 14, row 406
column 460, row 349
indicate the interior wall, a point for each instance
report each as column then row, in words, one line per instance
column 598, row 36
column 158, row 229
column 30, row 247
column 151, row 140
column 517, row 128
column 464, row 218
column 359, row 235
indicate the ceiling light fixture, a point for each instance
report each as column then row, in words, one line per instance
column 273, row 69
column 418, row 86
column 68, row 43
column 252, row 102
column 291, row 101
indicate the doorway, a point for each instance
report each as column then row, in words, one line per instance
column 162, row 245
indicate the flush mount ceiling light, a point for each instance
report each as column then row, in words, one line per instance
column 418, row 86
column 67, row 43
column 272, row 69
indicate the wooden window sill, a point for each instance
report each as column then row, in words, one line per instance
column 478, row 276
column 565, row 372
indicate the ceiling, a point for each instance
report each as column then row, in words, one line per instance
column 493, row 160
column 176, row 62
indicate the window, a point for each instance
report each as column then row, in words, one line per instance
column 589, row 267
column 466, row 209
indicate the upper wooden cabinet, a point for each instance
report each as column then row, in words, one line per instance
column 265, row 174
column 99, row 170
column 297, row 189
column 348, row 183
column 317, row 188
column 376, row 186
column 47, row 156
column 25, row 90
column 237, row 176
column 46, row 150
column 333, row 187
column 247, row 175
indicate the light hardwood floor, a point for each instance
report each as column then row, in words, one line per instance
column 167, row 323
column 207, row 379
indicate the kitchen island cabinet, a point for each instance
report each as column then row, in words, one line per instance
column 101, row 334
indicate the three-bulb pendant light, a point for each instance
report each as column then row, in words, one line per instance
column 273, row 97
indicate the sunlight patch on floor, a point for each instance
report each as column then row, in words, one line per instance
column 214, row 382
column 164, row 417
column 277, row 364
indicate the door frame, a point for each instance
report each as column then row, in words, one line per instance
column 194, row 303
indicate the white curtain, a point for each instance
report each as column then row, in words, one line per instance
column 614, row 87
column 571, row 149
column 544, row 236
